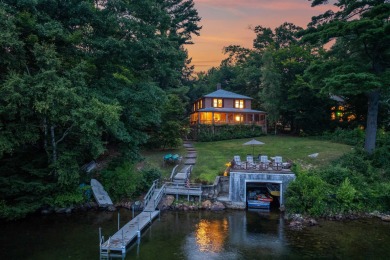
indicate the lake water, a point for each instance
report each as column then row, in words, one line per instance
column 196, row 235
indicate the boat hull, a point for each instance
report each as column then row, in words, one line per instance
column 258, row 204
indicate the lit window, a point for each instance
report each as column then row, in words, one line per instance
column 217, row 102
column 239, row 103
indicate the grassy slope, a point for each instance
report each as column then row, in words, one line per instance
column 212, row 156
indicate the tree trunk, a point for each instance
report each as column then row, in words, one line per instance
column 372, row 119
column 54, row 144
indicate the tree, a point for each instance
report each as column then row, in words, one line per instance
column 359, row 60
column 77, row 76
column 271, row 89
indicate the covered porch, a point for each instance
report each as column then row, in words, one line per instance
column 231, row 118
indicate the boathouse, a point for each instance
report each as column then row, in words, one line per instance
column 244, row 178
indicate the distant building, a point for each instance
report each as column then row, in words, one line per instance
column 223, row 107
column 341, row 112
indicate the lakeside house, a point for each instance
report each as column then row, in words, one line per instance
column 223, row 107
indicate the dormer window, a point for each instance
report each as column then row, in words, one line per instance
column 217, row 102
column 239, row 103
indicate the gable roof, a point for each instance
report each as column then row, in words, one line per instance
column 220, row 93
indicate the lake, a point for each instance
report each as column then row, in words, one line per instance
column 196, row 235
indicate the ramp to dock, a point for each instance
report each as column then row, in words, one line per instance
column 183, row 175
column 117, row 244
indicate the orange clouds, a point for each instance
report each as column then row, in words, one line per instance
column 227, row 22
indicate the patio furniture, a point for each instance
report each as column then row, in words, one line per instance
column 237, row 161
column 250, row 162
column 278, row 164
column 264, row 162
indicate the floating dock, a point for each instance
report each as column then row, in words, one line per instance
column 117, row 244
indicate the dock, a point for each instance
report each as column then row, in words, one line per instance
column 183, row 189
column 117, row 244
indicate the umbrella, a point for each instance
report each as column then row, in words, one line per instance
column 253, row 142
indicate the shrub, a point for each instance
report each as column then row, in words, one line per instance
column 122, row 182
column 345, row 195
column 350, row 137
column 308, row 194
column 148, row 176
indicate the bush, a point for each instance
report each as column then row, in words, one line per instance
column 208, row 133
column 350, row 137
column 345, row 196
column 148, row 176
column 122, row 182
column 308, row 194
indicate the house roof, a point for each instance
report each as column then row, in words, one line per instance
column 228, row 109
column 220, row 93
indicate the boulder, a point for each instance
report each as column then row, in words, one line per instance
column 296, row 225
column 166, row 202
column 111, row 208
column 217, row 206
column 206, row 204
column 385, row 218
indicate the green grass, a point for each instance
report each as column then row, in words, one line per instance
column 154, row 158
column 212, row 156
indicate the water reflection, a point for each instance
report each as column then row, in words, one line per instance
column 211, row 235
column 196, row 235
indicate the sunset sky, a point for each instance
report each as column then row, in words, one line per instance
column 227, row 22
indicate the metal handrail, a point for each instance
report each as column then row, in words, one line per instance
column 193, row 186
column 149, row 195
column 159, row 195
column 173, row 172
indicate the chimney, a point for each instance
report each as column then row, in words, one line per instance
column 218, row 86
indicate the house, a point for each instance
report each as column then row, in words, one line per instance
column 223, row 107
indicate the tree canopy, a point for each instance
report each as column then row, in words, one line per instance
column 359, row 59
column 77, row 77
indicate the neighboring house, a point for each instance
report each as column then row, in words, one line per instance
column 223, row 107
column 341, row 112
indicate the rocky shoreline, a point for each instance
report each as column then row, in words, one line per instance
column 295, row 221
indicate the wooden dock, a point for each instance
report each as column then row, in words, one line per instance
column 183, row 189
column 117, row 244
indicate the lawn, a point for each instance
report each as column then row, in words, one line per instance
column 212, row 156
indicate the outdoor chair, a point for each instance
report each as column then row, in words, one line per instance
column 250, row 162
column 237, row 161
column 278, row 164
column 264, row 162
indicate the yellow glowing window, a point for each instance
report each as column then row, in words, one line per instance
column 217, row 102
column 239, row 103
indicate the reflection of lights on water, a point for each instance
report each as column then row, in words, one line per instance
column 210, row 235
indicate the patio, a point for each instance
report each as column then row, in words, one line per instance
column 262, row 164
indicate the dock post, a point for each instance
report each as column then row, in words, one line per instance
column 100, row 235
column 150, row 217
column 118, row 219
column 159, row 214
column 132, row 207
column 122, row 239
